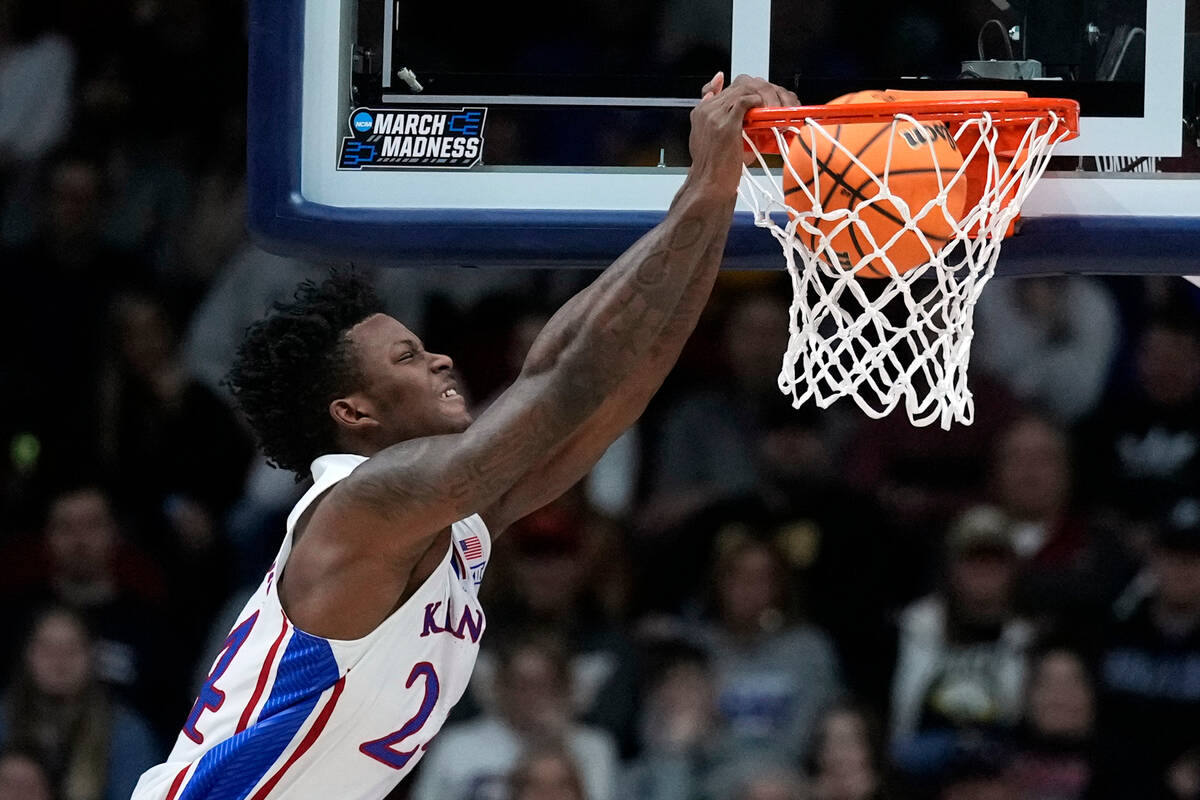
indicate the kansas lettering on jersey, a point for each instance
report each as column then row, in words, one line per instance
column 285, row 714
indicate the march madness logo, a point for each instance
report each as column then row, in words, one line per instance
column 413, row 138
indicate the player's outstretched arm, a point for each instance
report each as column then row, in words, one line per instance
column 562, row 467
column 586, row 353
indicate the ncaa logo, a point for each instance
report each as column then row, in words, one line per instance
column 363, row 122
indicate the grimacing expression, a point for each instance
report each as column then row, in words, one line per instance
column 407, row 390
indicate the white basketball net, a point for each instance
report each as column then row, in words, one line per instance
column 906, row 336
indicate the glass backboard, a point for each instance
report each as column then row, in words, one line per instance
column 391, row 131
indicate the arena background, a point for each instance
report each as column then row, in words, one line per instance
column 742, row 602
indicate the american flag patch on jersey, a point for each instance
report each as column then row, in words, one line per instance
column 472, row 548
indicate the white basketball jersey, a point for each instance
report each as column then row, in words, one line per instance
column 285, row 714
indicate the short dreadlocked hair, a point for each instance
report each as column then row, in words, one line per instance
column 293, row 363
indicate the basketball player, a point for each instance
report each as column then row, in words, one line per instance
column 364, row 632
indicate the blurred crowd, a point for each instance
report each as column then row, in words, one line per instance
column 743, row 601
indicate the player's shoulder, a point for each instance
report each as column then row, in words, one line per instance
column 341, row 482
column 357, row 483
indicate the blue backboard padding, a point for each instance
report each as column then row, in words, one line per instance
column 1103, row 246
column 273, row 110
column 283, row 221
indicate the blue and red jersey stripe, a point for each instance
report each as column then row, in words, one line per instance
column 232, row 768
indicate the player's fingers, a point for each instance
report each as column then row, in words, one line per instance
column 741, row 106
column 770, row 97
column 745, row 101
column 774, row 96
column 770, row 94
column 746, row 87
column 779, row 97
column 714, row 86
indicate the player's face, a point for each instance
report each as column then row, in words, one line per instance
column 409, row 391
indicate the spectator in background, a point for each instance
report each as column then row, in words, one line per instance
column 566, row 573
column 65, row 278
column 215, row 227
column 23, row 777
column 839, row 549
column 1150, row 668
column 90, row 567
column 94, row 747
column 1050, row 339
column 1054, row 749
column 961, row 653
column 472, row 760
column 177, row 454
column 922, row 478
column 1142, row 447
column 1068, row 571
column 149, row 51
column 546, row 773
column 848, row 759
column 680, row 733
column 773, row 675
column 165, row 434
column 706, row 449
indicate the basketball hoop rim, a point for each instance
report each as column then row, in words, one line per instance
column 1003, row 112
column 894, row 345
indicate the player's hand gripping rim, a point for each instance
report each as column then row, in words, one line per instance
column 716, row 137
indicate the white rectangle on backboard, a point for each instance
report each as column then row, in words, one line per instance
column 1159, row 131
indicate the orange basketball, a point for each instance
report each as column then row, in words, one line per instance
column 843, row 184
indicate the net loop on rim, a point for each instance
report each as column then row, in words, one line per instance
column 905, row 336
